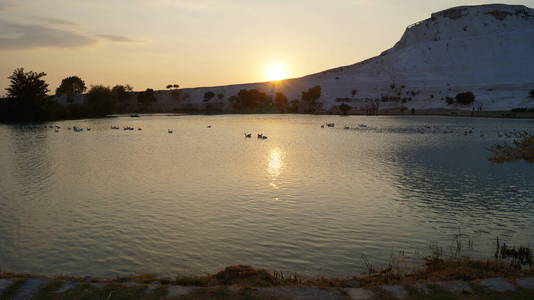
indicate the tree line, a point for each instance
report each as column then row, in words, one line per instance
column 28, row 99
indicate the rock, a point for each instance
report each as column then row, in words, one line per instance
column 177, row 290
column 397, row 291
column 497, row 285
column 304, row 293
column 455, row 286
column 359, row 294
column 4, row 284
column 421, row 287
column 525, row 283
column 67, row 286
column 30, row 287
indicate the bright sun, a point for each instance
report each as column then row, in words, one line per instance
column 276, row 71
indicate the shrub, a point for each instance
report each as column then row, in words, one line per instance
column 345, row 108
column 251, row 101
column 147, row 97
column 122, row 92
column 281, row 102
column 449, row 100
column 465, row 98
column 208, row 96
column 100, row 100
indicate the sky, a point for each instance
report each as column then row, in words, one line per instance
column 152, row 43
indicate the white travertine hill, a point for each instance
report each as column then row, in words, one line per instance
column 487, row 50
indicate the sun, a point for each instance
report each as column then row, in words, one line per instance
column 276, row 71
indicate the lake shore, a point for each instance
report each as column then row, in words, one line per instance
column 452, row 278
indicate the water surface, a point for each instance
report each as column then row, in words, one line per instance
column 311, row 200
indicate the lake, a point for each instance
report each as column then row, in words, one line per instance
column 308, row 199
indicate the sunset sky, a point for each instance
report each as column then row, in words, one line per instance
column 199, row 42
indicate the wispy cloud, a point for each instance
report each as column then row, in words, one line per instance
column 54, row 21
column 117, row 38
column 28, row 36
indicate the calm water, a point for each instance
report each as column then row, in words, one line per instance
column 114, row 202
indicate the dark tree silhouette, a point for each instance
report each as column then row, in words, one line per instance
column 465, row 98
column 220, row 96
column 281, row 102
column 71, row 86
column 100, row 100
column 531, row 93
column 344, row 108
column 122, row 92
column 208, row 96
column 250, row 101
column 147, row 97
column 310, row 98
column 26, row 96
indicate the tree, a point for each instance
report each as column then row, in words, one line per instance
column 354, row 92
column 27, row 92
column 281, row 102
column 147, row 97
column 531, row 93
column 122, row 92
column 71, row 86
column 100, row 100
column 344, row 108
column 208, row 96
column 310, row 98
column 465, row 98
column 251, row 101
column 220, row 96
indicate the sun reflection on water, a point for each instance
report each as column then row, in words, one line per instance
column 275, row 164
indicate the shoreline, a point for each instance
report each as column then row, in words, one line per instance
column 420, row 113
column 452, row 278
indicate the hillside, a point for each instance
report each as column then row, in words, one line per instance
column 487, row 50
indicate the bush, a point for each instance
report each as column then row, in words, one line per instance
column 531, row 93
column 100, row 100
column 208, row 96
column 465, row 98
column 122, row 92
column 147, row 97
column 344, row 108
column 281, row 102
column 250, row 101
column 450, row 100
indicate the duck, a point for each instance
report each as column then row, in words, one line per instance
column 169, row 131
column 248, row 135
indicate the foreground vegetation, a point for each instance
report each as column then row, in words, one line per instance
column 521, row 149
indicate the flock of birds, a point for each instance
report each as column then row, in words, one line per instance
column 466, row 131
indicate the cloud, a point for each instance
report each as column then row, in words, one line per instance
column 117, row 38
column 54, row 21
column 28, row 36
column 6, row 5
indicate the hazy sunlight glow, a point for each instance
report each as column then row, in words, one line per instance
column 276, row 71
